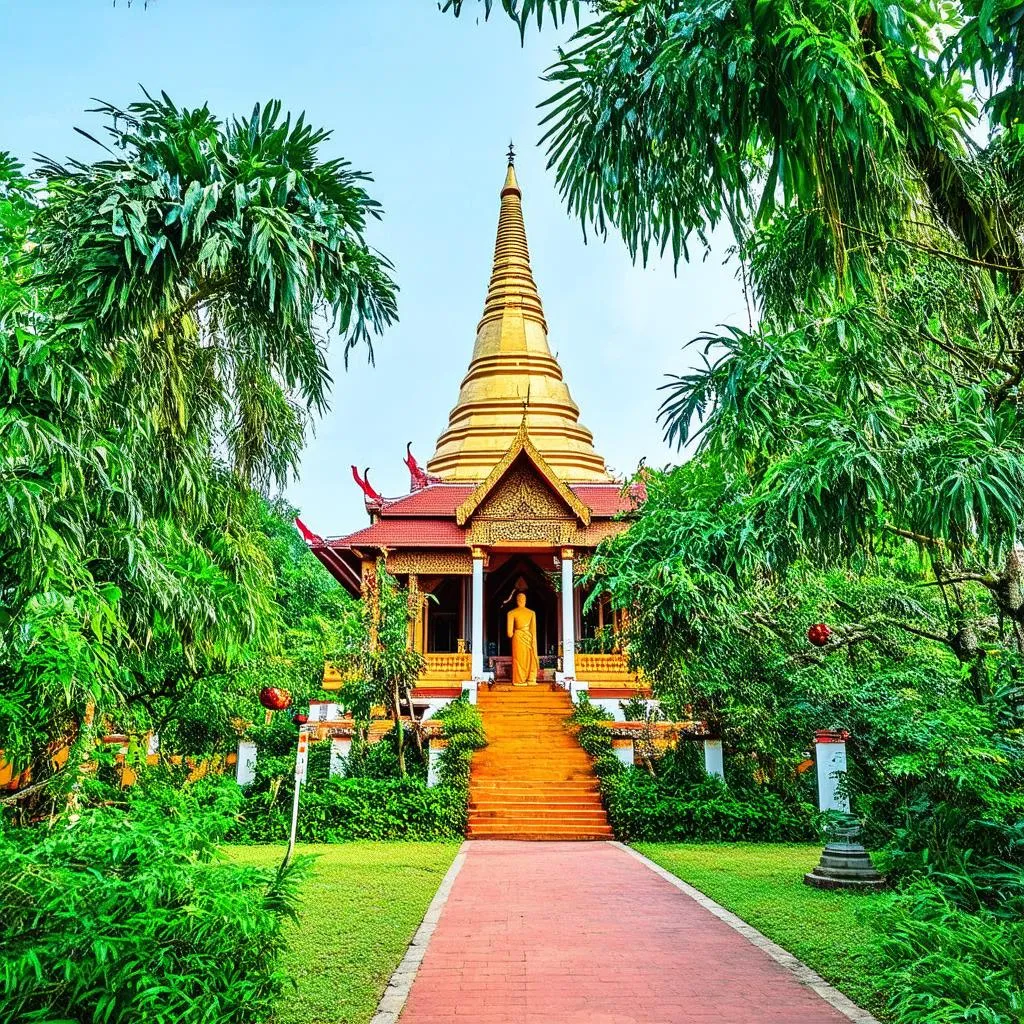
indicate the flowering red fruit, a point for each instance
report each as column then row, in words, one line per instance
column 819, row 634
column 273, row 698
column 300, row 719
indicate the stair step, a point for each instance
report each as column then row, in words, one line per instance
column 536, row 817
column 538, row 833
column 533, row 781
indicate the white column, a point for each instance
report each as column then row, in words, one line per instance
column 714, row 762
column 245, row 770
column 830, row 760
column 435, row 747
column 476, row 640
column 341, row 747
column 568, row 617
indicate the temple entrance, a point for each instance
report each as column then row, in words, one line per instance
column 499, row 598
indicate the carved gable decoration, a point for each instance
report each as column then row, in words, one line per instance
column 522, row 494
column 522, row 486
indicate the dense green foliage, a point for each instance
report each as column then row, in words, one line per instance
column 164, row 319
column 376, row 798
column 123, row 914
column 678, row 801
column 161, row 349
column 362, row 903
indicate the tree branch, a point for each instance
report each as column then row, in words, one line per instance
column 933, row 251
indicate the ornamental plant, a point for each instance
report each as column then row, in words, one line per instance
column 126, row 912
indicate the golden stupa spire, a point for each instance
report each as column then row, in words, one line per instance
column 512, row 375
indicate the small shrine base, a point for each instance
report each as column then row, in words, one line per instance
column 845, row 866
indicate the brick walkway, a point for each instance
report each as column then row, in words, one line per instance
column 567, row 933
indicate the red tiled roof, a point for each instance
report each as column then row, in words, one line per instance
column 432, row 500
column 603, row 500
column 441, row 500
column 392, row 533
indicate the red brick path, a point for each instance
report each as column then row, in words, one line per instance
column 567, row 933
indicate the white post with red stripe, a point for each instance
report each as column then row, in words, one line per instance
column 830, row 761
column 301, row 763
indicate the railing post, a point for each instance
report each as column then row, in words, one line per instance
column 714, row 762
column 435, row 747
column 341, row 747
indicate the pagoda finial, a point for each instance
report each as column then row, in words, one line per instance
column 511, row 153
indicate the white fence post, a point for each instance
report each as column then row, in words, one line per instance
column 341, row 747
column 435, row 747
column 830, row 761
column 714, row 761
column 245, row 769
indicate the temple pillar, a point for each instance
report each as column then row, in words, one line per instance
column 568, row 617
column 477, row 622
column 830, row 761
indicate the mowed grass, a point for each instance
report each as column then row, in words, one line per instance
column 360, row 907
column 763, row 884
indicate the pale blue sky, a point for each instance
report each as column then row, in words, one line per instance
column 427, row 104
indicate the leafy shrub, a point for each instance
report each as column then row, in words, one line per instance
column 464, row 729
column 682, row 802
column 342, row 809
column 372, row 801
column 644, row 809
column 120, row 915
column 944, row 965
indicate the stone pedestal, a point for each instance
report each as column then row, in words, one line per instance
column 845, row 866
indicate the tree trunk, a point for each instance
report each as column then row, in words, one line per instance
column 396, row 701
column 417, row 731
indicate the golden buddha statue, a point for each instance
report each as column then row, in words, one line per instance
column 522, row 628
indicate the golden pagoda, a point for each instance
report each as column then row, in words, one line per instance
column 512, row 371
column 513, row 499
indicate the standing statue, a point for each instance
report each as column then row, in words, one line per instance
column 522, row 628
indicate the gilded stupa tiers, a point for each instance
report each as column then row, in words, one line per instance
column 512, row 372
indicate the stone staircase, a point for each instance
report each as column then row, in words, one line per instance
column 532, row 780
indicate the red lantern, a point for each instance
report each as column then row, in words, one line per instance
column 300, row 719
column 819, row 634
column 273, row 698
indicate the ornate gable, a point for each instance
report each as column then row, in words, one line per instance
column 523, row 486
column 523, row 494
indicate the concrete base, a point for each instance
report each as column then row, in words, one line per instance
column 845, row 866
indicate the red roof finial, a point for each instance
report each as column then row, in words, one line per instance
column 364, row 485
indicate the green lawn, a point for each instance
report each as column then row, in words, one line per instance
column 361, row 906
column 763, row 884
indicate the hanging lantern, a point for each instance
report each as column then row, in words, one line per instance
column 819, row 634
column 299, row 718
column 274, row 698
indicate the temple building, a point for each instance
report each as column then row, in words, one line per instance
column 512, row 502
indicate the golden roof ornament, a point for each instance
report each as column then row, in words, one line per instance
column 512, row 374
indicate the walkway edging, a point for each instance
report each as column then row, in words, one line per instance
column 799, row 970
column 392, row 1002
